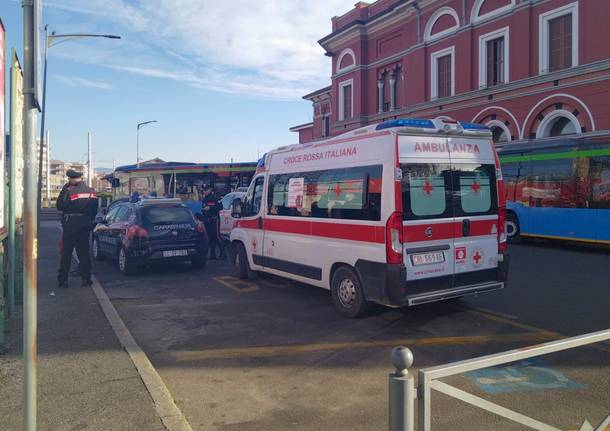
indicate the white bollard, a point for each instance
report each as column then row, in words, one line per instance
column 401, row 392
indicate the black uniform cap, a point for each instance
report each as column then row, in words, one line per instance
column 73, row 174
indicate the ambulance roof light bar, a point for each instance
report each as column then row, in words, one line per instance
column 407, row 122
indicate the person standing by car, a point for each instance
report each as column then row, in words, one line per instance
column 210, row 210
column 78, row 204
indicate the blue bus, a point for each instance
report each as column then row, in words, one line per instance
column 558, row 190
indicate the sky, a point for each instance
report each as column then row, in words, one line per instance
column 224, row 79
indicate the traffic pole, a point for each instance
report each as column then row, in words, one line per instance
column 31, row 203
column 48, row 162
column 401, row 396
column 89, row 161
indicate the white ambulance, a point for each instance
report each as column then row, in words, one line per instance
column 405, row 212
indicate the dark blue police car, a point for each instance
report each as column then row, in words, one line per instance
column 148, row 232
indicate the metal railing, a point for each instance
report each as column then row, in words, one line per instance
column 403, row 395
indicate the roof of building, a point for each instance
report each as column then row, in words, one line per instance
column 318, row 92
column 301, row 127
column 356, row 22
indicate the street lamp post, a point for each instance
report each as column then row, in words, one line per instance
column 140, row 125
column 50, row 40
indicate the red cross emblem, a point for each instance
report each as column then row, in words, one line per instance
column 427, row 188
column 254, row 244
column 476, row 257
column 338, row 190
column 475, row 186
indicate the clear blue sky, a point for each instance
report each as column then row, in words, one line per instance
column 223, row 78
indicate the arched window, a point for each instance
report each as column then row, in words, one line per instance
column 499, row 131
column 436, row 16
column 561, row 127
column 558, row 123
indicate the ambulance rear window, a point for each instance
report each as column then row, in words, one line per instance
column 426, row 191
column 476, row 189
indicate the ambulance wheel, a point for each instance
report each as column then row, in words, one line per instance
column 513, row 231
column 95, row 249
column 348, row 296
column 126, row 264
column 242, row 266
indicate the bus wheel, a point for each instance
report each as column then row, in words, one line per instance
column 513, row 232
column 347, row 293
column 242, row 266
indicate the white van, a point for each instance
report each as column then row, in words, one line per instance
column 401, row 213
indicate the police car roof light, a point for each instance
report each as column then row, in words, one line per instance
column 159, row 201
column 407, row 122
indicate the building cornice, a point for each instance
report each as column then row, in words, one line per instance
column 301, row 127
column 510, row 88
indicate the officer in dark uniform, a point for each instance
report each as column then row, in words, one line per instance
column 210, row 211
column 78, row 204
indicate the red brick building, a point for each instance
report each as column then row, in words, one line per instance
column 529, row 69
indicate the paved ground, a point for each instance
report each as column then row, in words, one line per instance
column 86, row 380
column 274, row 355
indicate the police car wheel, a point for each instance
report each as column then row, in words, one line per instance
column 513, row 231
column 242, row 266
column 348, row 296
column 95, row 249
column 126, row 264
column 198, row 262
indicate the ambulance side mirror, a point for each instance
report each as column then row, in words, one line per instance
column 237, row 209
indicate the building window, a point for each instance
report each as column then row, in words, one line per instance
column 325, row 125
column 558, row 123
column 346, row 105
column 560, row 43
column 389, row 86
column 443, row 73
column 493, row 58
column 559, row 38
column 444, row 77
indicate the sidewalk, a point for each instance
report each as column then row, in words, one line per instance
column 86, row 381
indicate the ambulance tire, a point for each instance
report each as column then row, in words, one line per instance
column 347, row 293
column 242, row 266
column 513, row 231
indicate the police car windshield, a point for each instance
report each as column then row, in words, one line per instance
column 167, row 215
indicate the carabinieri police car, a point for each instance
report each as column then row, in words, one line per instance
column 150, row 231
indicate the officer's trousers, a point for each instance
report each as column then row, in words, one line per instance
column 75, row 239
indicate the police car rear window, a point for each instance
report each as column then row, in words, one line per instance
column 167, row 215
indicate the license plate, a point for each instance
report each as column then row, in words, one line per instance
column 427, row 258
column 174, row 253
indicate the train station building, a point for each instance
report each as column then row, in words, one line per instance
column 528, row 69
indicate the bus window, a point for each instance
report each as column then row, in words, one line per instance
column 600, row 182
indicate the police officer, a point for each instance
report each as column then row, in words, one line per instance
column 78, row 204
column 210, row 210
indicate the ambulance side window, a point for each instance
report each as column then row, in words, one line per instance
column 254, row 198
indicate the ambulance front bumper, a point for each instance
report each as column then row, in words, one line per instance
column 387, row 284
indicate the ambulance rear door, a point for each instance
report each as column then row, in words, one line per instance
column 475, row 202
column 428, row 213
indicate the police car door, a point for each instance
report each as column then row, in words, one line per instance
column 252, row 221
column 476, row 210
column 428, row 211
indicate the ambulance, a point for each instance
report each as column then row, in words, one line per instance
column 406, row 212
